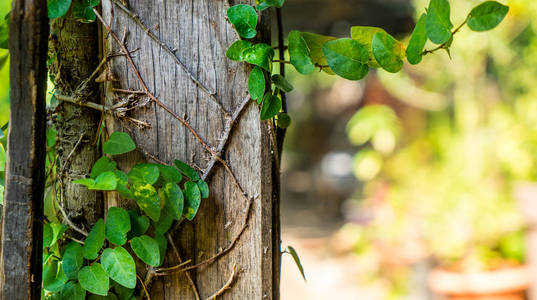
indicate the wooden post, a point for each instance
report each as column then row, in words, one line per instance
column 21, row 257
column 200, row 34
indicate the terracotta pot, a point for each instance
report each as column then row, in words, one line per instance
column 502, row 284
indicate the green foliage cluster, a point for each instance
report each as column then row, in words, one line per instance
column 349, row 58
column 102, row 265
column 81, row 10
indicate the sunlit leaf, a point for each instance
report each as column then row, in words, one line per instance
column 364, row 36
column 260, row 55
column 144, row 173
column 299, row 53
column 234, row 52
column 146, row 249
column 438, row 24
column 487, row 15
column 147, row 198
column 120, row 266
column 193, row 200
column 347, row 58
column 118, row 143
column 388, row 52
column 94, row 279
column 417, row 41
column 244, row 19
column 173, row 198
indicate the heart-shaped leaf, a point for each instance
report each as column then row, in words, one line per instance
column 95, row 240
column 244, row 19
column 438, row 24
column 164, row 223
column 173, row 198
column 117, row 225
column 256, row 84
column 193, row 200
column 299, row 53
column 487, row 15
column 146, row 197
column 281, row 83
column 347, row 58
column 72, row 260
column 106, row 181
column 57, row 8
column 284, row 120
column 234, row 52
column 120, row 266
column 104, row 164
column 388, row 52
column 146, row 249
column 94, row 279
column 270, row 107
column 118, row 143
column 260, row 55
column 83, row 10
column 53, row 276
column 414, row 51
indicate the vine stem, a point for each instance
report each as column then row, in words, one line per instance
column 144, row 287
column 226, row 286
column 280, row 132
column 443, row 45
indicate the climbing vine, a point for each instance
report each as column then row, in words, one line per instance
column 102, row 263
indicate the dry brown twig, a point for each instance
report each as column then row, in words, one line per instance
column 227, row 285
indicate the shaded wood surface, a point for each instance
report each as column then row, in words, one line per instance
column 201, row 34
column 21, row 258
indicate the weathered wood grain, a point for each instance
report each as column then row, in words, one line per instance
column 21, row 259
column 201, row 34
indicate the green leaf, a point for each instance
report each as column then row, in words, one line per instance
column 347, row 58
column 315, row 44
column 487, row 15
column 204, row 189
column 284, row 120
column 94, row 279
column 4, row 33
column 186, row 170
column 281, row 83
column 270, row 107
column 72, row 260
column 104, row 164
column 438, row 24
column 244, row 19
column 47, row 235
column 388, row 52
column 72, row 291
column 146, row 197
column 51, row 137
column 162, row 245
column 53, row 276
column 174, row 199
column 364, row 36
column 83, row 10
column 270, row 3
column 139, row 224
column 417, row 41
column 57, row 8
column 169, row 174
column 260, row 55
column 95, row 240
column 234, row 52
column 299, row 53
column 193, row 200
column 164, row 223
column 120, row 266
column 122, row 182
column 144, row 173
column 106, row 181
column 2, row 158
column 117, row 225
column 297, row 261
column 256, row 84
column 118, row 143
column 146, row 249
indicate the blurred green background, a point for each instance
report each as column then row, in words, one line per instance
column 5, row 7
